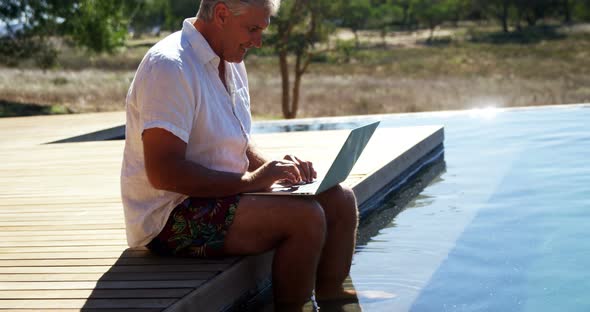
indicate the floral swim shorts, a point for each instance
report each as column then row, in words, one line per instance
column 196, row 228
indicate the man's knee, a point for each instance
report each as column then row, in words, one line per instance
column 340, row 202
column 307, row 219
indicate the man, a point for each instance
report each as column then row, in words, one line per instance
column 188, row 157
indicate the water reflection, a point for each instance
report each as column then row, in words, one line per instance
column 397, row 201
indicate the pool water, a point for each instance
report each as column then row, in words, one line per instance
column 504, row 227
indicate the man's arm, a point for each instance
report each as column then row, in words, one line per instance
column 255, row 157
column 168, row 169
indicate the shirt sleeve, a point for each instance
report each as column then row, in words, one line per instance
column 166, row 99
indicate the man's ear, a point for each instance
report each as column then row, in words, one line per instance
column 220, row 14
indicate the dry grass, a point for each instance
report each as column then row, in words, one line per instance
column 328, row 95
column 451, row 74
column 80, row 91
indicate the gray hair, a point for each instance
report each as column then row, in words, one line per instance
column 236, row 7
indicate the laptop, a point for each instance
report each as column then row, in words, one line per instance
column 339, row 170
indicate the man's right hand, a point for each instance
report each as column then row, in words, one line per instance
column 271, row 172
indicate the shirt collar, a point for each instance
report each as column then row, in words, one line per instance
column 201, row 47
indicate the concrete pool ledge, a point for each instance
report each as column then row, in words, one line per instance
column 62, row 226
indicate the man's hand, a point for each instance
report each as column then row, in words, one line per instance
column 271, row 172
column 305, row 168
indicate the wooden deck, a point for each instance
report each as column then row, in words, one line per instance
column 62, row 235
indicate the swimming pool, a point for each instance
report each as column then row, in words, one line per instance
column 503, row 228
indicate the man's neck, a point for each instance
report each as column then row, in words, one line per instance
column 207, row 31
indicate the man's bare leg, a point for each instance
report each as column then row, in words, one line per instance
column 296, row 227
column 340, row 208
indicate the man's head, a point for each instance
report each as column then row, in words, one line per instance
column 238, row 24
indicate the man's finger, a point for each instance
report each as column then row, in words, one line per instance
column 292, row 168
column 307, row 174
column 289, row 177
column 307, row 167
column 290, row 158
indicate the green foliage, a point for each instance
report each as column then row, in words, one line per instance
column 581, row 10
column 355, row 14
column 299, row 25
column 297, row 28
column 383, row 16
column 529, row 35
column 99, row 25
column 13, row 109
column 177, row 11
column 146, row 16
column 344, row 51
column 431, row 12
column 29, row 24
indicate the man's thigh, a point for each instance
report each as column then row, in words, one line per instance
column 262, row 222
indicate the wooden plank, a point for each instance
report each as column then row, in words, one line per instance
column 60, row 215
column 99, row 285
column 81, row 244
column 74, row 255
column 57, row 227
column 26, row 204
column 110, row 221
column 85, row 310
column 117, row 268
column 112, row 261
column 94, row 293
column 41, row 129
column 98, row 232
column 88, row 249
column 87, row 303
column 108, row 276
column 87, row 237
column 89, row 223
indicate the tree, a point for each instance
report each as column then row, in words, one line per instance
column 432, row 13
column 567, row 10
column 581, row 10
column 28, row 24
column 499, row 9
column 536, row 10
column 383, row 15
column 149, row 15
column 145, row 15
column 98, row 25
column 355, row 15
column 458, row 9
column 178, row 10
column 297, row 28
column 405, row 6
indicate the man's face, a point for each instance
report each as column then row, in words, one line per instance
column 243, row 32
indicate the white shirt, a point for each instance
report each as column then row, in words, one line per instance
column 177, row 88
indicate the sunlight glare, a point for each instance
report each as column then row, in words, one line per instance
column 488, row 112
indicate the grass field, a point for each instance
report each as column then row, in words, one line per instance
column 465, row 67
